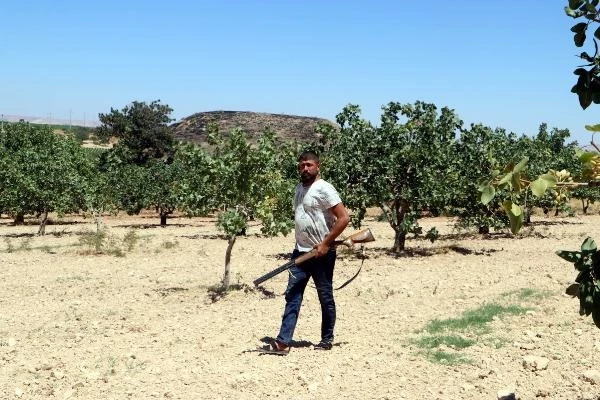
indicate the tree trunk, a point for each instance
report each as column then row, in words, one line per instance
column 400, row 209
column 43, row 222
column 227, row 275
column 99, row 223
column 399, row 241
column 483, row 230
column 19, row 219
column 163, row 219
column 584, row 206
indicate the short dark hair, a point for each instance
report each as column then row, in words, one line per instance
column 308, row 155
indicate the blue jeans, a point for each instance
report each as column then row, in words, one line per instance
column 321, row 270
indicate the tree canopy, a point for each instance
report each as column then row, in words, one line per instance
column 41, row 172
column 405, row 166
column 143, row 129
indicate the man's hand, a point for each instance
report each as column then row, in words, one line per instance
column 341, row 221
column 321, row 249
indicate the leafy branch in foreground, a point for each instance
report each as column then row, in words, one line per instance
column 587, row 286
column 514, row 181
column 587, row 87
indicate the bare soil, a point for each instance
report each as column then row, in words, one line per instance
column 139, row 322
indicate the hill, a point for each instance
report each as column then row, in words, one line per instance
column 286, row 127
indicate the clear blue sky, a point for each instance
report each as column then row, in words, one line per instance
column 502, row 63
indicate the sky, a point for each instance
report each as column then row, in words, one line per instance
column 506, row 64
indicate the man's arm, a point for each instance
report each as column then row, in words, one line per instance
column 341, row 222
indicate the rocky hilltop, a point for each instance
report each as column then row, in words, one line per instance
column 286, row 127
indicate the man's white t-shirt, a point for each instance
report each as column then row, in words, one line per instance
column 312, row 216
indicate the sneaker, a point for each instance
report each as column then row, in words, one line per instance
column 323, row 346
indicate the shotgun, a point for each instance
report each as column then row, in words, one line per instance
column 363, row 236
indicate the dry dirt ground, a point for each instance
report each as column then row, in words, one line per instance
column 137, row 322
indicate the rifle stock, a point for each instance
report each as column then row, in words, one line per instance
column 363, row 236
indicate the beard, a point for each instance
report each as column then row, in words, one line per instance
column 307, row 177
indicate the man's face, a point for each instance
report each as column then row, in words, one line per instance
column 309, row 169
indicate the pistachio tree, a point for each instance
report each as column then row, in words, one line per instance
column 195, row 194
column 248, row 184
column 405, row 166
column 154, row 185
column 480, row 150
column 587, row 196
column 100, row 193
column 41, row 172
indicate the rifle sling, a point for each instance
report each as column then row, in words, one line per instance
column 343, row 285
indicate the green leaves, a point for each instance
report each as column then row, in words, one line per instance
column 232, row 222
column 587, row 262
column 249, row 177
column 571, row 256
column 140, row 127
column 588, row 246
column 487, row 192
column 573, row 13
column 552, row 189
column 587, row 87
column 512, row 176
column 575, row 4
column 248, row 181
column 593, row 128
column 579, row 37
column 407, row 164
column 512, row 181
column 515, row 214
column 542, row 184
column 41, row 172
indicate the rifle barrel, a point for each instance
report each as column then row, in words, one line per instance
column 274, row 272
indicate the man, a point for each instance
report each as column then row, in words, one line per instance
column 320, row 217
